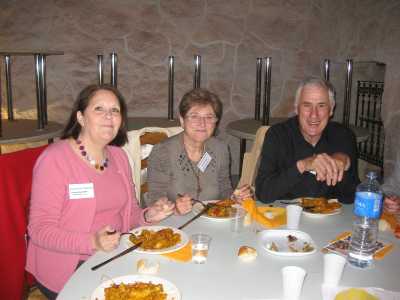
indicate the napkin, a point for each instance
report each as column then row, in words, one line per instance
column 182, row 255
column 278, row 214
column 384, row 248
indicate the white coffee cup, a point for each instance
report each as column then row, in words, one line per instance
column 292, row 279
column 293, row 214
column 333, row 268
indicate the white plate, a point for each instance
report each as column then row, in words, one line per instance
column 197, row 208
column 170, row 289
column 181, row 244
column 279, row 237
column 319, row 215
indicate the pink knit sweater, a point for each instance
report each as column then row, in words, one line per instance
column 59, row 228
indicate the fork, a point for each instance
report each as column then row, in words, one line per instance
column 122, row 233
column 196, row 201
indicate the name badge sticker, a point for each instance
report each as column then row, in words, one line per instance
column 204, row 162
column 81, row 190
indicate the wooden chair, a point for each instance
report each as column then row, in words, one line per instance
column 15, row 188
column 251, row 159
column 138, row 148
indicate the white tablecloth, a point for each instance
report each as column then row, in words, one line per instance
column 224, row 276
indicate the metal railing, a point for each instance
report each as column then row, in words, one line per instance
column 267, row 89
column 368, row 115
column 40, row 81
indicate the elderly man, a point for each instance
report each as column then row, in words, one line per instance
column 308, row 155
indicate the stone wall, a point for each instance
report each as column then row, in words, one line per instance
column 229, row 35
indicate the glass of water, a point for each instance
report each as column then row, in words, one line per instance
column 200, row 245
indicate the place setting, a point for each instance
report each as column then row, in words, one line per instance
column 287, row 240
column 318, row 207
column 219, row 210
column 143, row 286
column 157, row 239
column 174, row 243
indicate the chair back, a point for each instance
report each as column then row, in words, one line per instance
column 251, row 159
column 138, row 149
column 15, row 188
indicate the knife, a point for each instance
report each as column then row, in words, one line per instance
column 289, row 201
column 126, row 251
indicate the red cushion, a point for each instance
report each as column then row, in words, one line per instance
column 15, row 188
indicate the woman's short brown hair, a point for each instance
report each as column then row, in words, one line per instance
column 73, row 128
column 200, row 97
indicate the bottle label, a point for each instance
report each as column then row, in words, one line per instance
column 368, row 204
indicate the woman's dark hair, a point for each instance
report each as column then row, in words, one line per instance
column 73, row 128
column 201, row 97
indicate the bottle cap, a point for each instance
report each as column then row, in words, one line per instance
column 372, row 175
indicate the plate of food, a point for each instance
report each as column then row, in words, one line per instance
column 221, row 211
column 157, row 239
column 287, row 242
column 320, row 207
column 138, row 287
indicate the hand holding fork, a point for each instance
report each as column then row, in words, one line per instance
column 243, row 192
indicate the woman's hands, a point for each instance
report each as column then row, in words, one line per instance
column 161, row 209
column 241, row 193
column 391, row 204
column 104, row 241
column 183, row 204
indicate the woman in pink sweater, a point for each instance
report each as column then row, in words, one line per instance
column 82, row 191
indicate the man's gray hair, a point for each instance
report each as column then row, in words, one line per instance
column 316, row 81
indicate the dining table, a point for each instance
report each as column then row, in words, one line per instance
column 25, row 131
column 225, row 276
column 22, row 131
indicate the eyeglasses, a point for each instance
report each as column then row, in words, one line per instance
column 101, row 111
column 197, row 119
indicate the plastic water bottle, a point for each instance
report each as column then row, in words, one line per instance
column 367, row 210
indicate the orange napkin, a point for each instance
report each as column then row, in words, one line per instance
column 182, row 255
column 380, row 254
column 258, row 214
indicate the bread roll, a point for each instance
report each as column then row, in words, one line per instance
column 144, row 266
column 247, row 253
